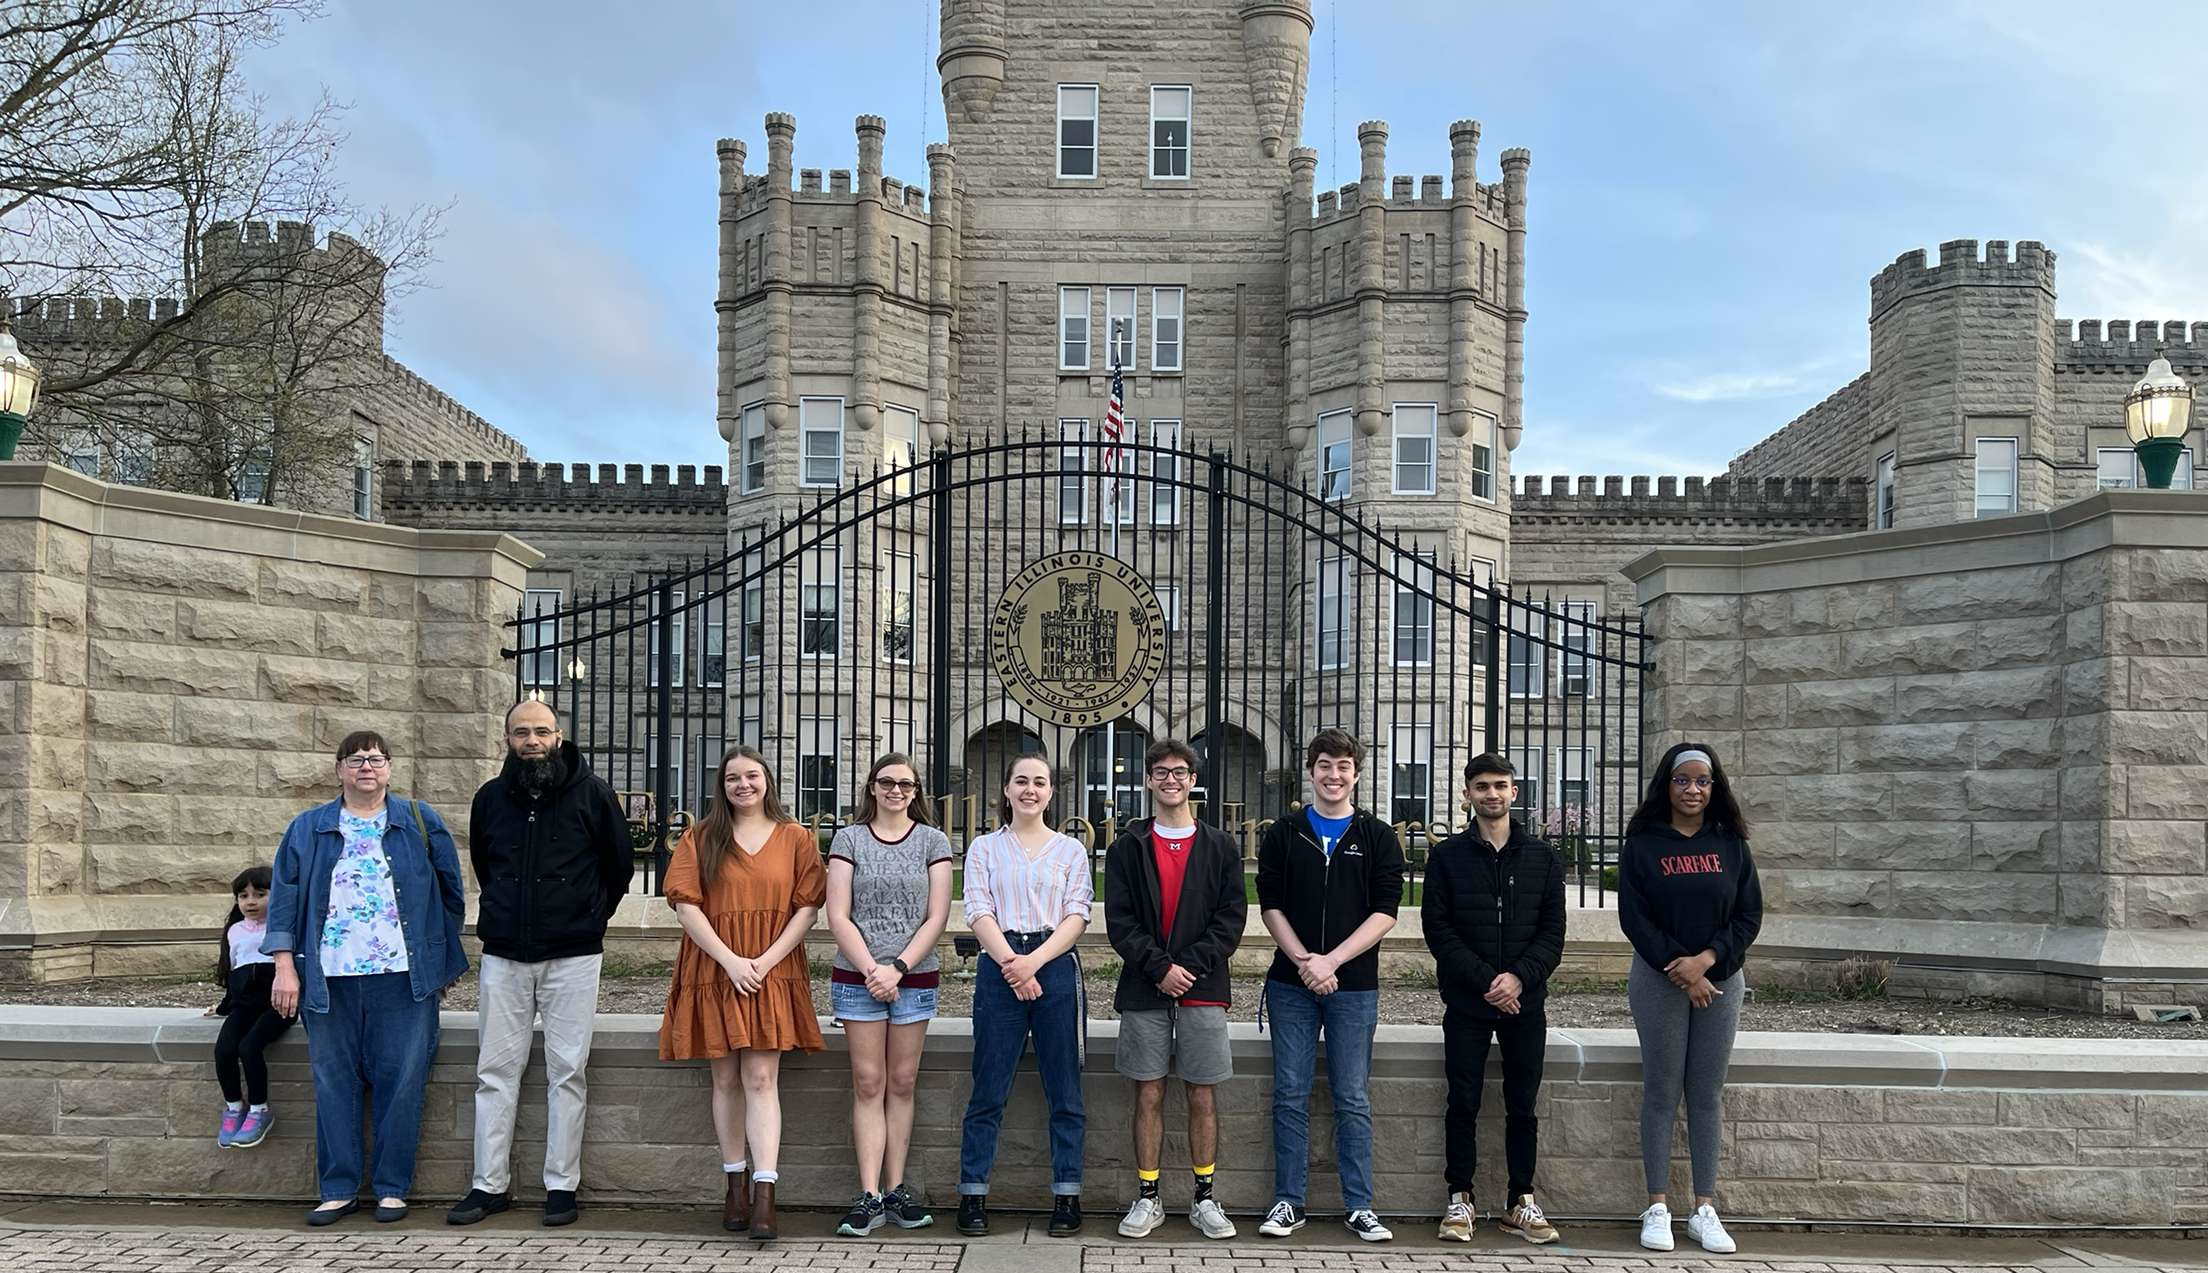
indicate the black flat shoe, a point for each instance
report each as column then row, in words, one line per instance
column 387, row 1214
column 319, row 1217
column 1065, row 1215
column 973, row 1216
column 559, row 1207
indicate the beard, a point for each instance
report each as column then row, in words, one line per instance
column 539, row 774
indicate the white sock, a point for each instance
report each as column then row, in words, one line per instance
column 733, row 1167
column 259, row 1109
column 235, row 1107
column 765, row 1177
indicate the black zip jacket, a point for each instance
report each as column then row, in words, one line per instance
column 1681, row 895
column 1487, row 912
column 1207, row 925
column 1325, row 899
column 551, row 866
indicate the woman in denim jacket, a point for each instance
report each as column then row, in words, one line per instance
column 364, row 925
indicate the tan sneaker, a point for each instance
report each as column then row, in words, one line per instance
column 1457, row 1222
column 1525, row 1220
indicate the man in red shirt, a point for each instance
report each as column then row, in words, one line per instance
column 1174, row 906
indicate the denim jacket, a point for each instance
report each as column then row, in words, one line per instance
column 432, row 899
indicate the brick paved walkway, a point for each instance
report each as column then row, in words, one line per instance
column 191, row 1240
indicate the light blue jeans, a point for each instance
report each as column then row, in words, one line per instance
column 1346, row 1019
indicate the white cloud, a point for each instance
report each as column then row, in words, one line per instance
column 1733, row 386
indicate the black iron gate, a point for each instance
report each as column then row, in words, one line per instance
column 854, row 621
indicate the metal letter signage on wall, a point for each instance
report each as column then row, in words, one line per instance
column 1078, row 638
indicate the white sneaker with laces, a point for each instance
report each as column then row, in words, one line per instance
column 1285, row 1218
column 1210, row 1219
column 1457, row 1221
column 1366, row 1225
column 1656, row 1227
column 1143, row 1218
column 1704, row 1227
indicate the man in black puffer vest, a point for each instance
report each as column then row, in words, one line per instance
column 1493, row 913
column 552, row 859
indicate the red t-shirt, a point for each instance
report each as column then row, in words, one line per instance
column 1172, row 859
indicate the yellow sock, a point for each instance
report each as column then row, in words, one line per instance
column 1146, row 1182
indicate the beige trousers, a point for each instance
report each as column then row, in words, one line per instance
column 510, row 997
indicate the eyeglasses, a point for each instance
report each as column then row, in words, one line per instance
column 1177, row 773
column 906, row 785
column 1685, row 782
column 366, row 762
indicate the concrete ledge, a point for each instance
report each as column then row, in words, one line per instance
column 119, row 1103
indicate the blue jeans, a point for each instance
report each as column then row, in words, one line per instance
column 1348, row 1018
column 1002, row 1024
column 369, row 1052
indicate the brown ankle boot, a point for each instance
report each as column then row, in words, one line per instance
column 736, row 1207
column 762, row 1212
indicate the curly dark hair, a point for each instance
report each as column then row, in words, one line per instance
column 1655, row 810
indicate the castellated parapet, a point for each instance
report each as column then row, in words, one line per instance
column 1797, row 500
column 555, row 487
column 1962, row 265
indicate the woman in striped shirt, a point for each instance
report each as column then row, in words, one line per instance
column 1028, row 892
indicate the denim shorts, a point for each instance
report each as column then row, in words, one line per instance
column 853, row 1003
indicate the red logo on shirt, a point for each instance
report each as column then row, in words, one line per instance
column 1692, row 864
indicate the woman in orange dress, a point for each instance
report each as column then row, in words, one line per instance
column 746, row 882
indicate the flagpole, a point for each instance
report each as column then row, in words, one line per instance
column 1111, row 506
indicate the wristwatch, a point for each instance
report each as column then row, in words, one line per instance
column 900, row 965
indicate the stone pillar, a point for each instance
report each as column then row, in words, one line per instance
column 1303, row 162
column 1372, row 238
column 1464, row 245
column 943, row 272
column 1515, row 163
column 726, row 410
column 866, row 331
column 175, row 675
column 781, row 144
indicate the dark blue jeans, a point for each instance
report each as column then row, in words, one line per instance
column 1002, row 1024
column 1347, row 1018
column 370, row 1054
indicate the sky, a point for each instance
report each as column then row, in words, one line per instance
column 1713, row 184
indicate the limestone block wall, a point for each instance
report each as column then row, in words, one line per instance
column 175, row 673
column 1974, row 747
column 114, row 1103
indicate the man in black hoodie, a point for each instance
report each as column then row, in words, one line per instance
column 552, row 859
column 1493, row 913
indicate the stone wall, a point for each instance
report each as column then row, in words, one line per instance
column 116, row 1102
column 1975, row 747
column 174, row 674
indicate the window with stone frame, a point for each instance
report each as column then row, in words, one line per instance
column 751, row 621
column 900, row 446
column 1334, row 455
column 1413, row 579
column 712, row 664
column 1883, row 514
column 2116, row 468
column 820, row 441
column 1481, row 440
column 1335, row 608
column 1410, row 774
column 817, row 787
column 1073, row 329
column 751, row 449
column 1165, row 472
column 1077, row 134
column 1995, row 462
column 540, row 627
column 364, row 468
column 1414, row 434
column 1574, row 638
column 899, row 580
column 820, row 604
column 678, row 639
column 1166, row 304
column 1073, row 472
column 1170, row 111
column 1119, row 327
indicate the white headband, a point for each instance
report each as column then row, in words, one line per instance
column 1692, row 754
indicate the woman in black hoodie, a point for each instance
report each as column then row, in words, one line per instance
column 1689, row 902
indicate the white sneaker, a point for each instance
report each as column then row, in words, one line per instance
column 1704, row 1227
column 1656, row 1227
column 1285, row 1218
column 1457, row 1221
column 1366, row 1225
column 1210, row 1219
column 1143, row 1218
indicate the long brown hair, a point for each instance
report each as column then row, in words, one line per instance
column 716, row 831
column 921, row 810
column 1004, row 806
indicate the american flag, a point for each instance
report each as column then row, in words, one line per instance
column 1114, row 426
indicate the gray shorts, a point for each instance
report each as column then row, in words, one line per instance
column 1192, row 1042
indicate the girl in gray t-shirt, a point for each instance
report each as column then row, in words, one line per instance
column 889, row 897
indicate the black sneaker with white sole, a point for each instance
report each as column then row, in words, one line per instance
column 904, row 1210
column 864, row 1217
column 1285, row 1218
column 1366, row 1225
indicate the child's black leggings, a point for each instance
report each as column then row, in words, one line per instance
column 246, row 1033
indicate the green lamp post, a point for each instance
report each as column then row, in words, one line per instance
column 18, row 388
column 2157, row 412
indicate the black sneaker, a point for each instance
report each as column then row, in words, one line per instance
column 864, row 1217
column 1285, row 1218
column 559, row 1207
column 973, row 1214
column 479, row 1204
column 904, row 1210
column 1065, row 1215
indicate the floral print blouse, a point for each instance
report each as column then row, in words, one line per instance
column 361, row 936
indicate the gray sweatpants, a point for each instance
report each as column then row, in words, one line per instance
column 1684, row 1049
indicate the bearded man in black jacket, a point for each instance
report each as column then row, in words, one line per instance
column 1493, row 914
column 552, row 859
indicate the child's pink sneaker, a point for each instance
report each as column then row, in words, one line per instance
column 231, row 1118
column 253, row 1128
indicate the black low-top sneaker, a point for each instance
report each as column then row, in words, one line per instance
column 904, row 1210
column 864, row 1217
column 973, row 1214
column 559, row 1207
column 1285, row 1218
column 477, row 1205
column 1065, row 1215
column 1366, row 1225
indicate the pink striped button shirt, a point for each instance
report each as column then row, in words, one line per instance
column 1026, row 896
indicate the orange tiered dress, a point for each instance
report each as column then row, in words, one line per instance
column 749, row 904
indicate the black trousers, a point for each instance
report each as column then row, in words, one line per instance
column 251, row 1025
column 1465, row 1039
